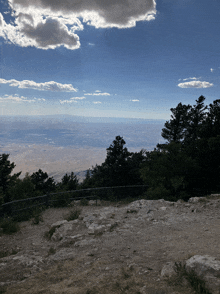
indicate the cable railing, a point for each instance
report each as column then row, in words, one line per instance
column 59, row 199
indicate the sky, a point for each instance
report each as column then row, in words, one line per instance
column 107, row 58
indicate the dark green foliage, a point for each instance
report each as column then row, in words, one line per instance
column 9, row 226
column 22, row 189
column 197, row 283
column 49, row 234
column 3, row 289
column 189, row 163
column 51, row 251
column 73, row 214
column 42, row 182
column 6, row 180
column 168, row 172
column 60, row 200
column 175, row 129
column 68, row 182
column 7, row 253
column 84, row 202
column 121, row 168
column 27, row 214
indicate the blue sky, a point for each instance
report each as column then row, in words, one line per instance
column 109, row 58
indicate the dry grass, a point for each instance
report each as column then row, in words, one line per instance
column 72, row 277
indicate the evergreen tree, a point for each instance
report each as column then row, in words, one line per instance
column 69, row 182
column 42, row 182
column 175, row 129
column 197, row 116
column 6, row 179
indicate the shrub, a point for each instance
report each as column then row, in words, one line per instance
column 49, row 234
column 3, row 289
column 84, row 202
column 73, row 214
column 51, row 251
column 197, row 283
column 61, row 200
column 9, row 226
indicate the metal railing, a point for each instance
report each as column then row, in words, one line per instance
column 47, row 199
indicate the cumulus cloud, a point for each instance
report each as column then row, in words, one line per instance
column 47, row 24
column 97, row 94
column 195, row 84
column 211, row 69
column 15, row 98
column 47, row 86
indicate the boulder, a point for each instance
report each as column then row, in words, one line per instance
column 96, row 229
column 208, row 268
column 168, row 270
column 61, row 231
column 95, row 202
column 195, row 199
column 59, row 223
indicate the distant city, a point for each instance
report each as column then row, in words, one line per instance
column 60, row 144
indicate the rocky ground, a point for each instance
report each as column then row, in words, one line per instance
column 110, row 248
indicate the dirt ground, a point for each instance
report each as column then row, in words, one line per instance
column 128, row 259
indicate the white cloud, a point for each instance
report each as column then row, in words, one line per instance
column 135, row 100
column 97, row 94
column 16, row 98
column 195, row 84
column 190, row 79
column 47, row 86
column 47, row 24
column 97, row 102
column 211, row 69
column 97, row 91
column 67, row 101
column 78, row 98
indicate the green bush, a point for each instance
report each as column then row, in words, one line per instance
column 3, row 289
column 51, row 251
column 197, row 283
column 9, row 226
column 49, row 234
column 84, row 202
column 61, row 200
column 73, row 214
column 159, row 192
column 27, row 214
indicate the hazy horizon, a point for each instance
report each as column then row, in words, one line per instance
column 58, row 146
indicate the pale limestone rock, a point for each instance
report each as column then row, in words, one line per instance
column 168, row 270
column 195, row 199
column 61, row 231
column 84, row 242
column 95, row 229
column 208, row 268
column 59, row 223
column 94, row 202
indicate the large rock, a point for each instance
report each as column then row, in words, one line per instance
column 208, row 268
column 96, row 229
column 61, row 231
